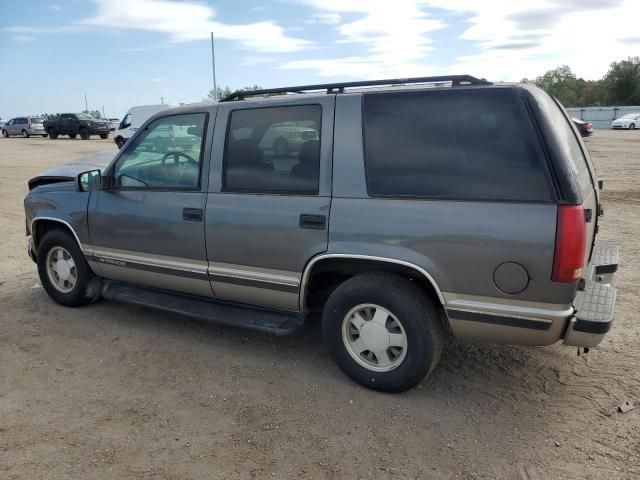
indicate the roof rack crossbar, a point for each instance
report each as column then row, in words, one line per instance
column 456, row 81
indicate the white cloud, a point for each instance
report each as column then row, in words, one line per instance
column 57, row 8
column 158, row 80
column 24, row 38
column 504, row 40
column 187, row 21
column 393, row 36
column 327, row 18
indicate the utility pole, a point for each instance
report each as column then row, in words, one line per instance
column 86, row 105
column 213, row 68
column 103, row 115
column 162, row 100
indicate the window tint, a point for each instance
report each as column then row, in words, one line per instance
column 469, row 144
column 273, row 150
column 568, row 138
column 167, row 154
column 37, row 120
column 126, row 121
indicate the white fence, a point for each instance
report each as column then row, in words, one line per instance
column 601, row 117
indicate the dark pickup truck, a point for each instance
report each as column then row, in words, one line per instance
column 74, row 124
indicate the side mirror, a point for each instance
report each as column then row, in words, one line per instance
column 89, row 181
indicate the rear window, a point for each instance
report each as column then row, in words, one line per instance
column 36, row 120
column 463, row 144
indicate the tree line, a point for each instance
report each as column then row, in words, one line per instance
column 620, row 86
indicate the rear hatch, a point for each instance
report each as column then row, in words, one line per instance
column 572, row 164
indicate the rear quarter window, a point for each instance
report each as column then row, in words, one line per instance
column 459, row 144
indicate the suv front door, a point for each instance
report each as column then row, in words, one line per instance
column 269, row 198
column 148, row 227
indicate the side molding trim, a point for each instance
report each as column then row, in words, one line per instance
column 33, row 234
column 314, row 260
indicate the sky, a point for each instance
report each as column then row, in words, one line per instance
column 122, row 53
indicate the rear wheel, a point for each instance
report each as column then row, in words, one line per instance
column 383, row 331
column 25, row 134
column 45, row 135
column 52, row 133
column 84, row 134
column 5, row 133
column 63, row 271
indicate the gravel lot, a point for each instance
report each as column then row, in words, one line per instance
column 112, row 391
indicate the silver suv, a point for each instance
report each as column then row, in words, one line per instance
column 24, row 126
column 413, row 210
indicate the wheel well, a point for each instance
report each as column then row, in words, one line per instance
column 41, row 227
column 327, row 274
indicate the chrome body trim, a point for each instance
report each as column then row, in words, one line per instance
column 257, row 275
column 314, row 260
column 33, row 221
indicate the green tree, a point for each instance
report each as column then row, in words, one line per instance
column 622, row 82
column 562, row 83
column 93, row 113
column 226, row 91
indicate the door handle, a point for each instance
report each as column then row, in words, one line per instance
column 315, row 222
column 192, row 214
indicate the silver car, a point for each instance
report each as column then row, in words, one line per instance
column 25, row 126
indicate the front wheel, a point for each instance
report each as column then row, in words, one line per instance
column 281, row 148
column 63, row 271
column 5, row 133
column 104, row 136
column 632, row 126
column 25, row 134
column 383, row 331
column 84, row 134
column 72, row 136
column 120, row 142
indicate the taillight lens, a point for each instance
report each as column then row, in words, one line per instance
column 571, row 236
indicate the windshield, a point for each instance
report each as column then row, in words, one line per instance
column 84, row 116
column 630, row 116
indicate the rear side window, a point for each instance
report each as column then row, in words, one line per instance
column 273, row 150
column 567, row 136
column 461, row 144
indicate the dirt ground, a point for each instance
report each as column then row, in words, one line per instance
column 112, row 391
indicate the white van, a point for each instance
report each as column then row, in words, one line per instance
column 135, row 117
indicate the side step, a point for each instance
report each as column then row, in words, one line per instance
column 605, row 259
column 271, row 321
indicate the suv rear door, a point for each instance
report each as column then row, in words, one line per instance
column 269, row 197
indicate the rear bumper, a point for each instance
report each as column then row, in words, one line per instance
column 595, row 304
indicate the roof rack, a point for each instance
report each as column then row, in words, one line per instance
column 456, row 81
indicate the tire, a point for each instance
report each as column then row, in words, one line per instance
column 73, row 135
column 632, row 126
column 86, row 286
column 120, row 142
column 45, row 135
column 281, row 147
column 419, row 323
column 84, row 134
column 5, row 133
column 52, row 134
column 25, row 134
column 104, row 136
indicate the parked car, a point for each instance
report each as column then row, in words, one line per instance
column 114, row 124
column 584, row 127
column 133, row 119
column 24, row 126
column 469, row 210
column 629, row 121
column 74, row 124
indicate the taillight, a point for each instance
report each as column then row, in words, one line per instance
column 29, row 125
column 571, row 236
column 588, row 125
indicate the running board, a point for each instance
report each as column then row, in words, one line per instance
column 212, row 311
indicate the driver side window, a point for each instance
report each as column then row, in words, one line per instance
column 167, row 154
